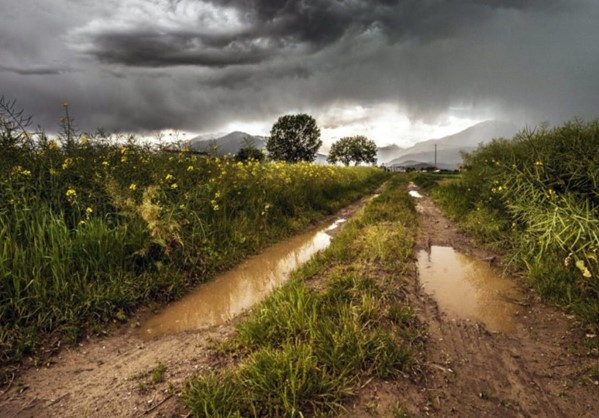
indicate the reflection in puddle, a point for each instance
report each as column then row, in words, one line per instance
column 239, row 289
column 336, row 224
column 468, row 289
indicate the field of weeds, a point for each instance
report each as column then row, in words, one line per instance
column 340, row 321
column 536, row 197
column 92, row 228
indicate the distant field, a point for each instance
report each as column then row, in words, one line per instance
column 93, row 229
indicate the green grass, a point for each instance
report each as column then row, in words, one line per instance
column 92, row 228
column 536, row 198
column 341, row 320
column 157, row 375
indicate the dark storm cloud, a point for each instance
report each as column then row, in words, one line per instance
column 157, row 50
column 138, row 65
column 34, row 70
column 273, row 28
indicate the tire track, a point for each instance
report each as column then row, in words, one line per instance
column 474, row 373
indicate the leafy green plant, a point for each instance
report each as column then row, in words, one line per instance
column 157, row 375
column 536, row 196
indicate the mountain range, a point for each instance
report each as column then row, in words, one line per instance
column 449, row 148
column 228, row 144
column 233, row 142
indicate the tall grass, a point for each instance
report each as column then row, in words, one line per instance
column 307, row 349
column 91, row 228
column 537, row 196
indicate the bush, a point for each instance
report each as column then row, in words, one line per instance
column 536, row 195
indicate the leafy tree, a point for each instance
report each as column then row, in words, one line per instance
column 294, row 138
column 358, row 149
column 249, row 153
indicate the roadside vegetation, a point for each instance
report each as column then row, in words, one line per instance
column 92, row 227
column 340, row 321
column 536, row 197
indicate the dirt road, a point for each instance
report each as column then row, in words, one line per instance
column 113, row 376
column 542, row 369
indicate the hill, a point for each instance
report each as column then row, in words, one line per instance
column 449, row 148
column 388, row 153
column 228, row 144
column 233, row 142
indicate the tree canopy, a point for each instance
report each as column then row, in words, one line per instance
column 249, row 153
column 294, row 138
column 358, row 149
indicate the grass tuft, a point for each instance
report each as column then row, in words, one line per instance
column 308, row 348
column 535, row 197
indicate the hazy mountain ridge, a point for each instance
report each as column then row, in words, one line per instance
column 388, row 152
column 233, row 142
column 449, row 148
column 227, row 144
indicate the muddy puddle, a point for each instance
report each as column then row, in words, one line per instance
column 239, row 289
column 467, row 288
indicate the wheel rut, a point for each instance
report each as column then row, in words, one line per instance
column 539, row 370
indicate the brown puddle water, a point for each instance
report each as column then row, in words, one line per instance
column 235, row 291
column 466, row 288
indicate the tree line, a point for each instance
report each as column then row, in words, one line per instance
column 295, row 138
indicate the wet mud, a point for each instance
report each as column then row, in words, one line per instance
column 468, row 288
column 237, row 290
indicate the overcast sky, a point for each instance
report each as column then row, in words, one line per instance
column 395, row 70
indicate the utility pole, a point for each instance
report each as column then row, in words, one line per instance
column 435, row 155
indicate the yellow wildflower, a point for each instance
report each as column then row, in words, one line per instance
column 174, row 186
column 133, row 186
column 71, row 195
column 583, row 269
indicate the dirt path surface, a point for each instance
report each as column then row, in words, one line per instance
column 540, row 370
column 112, row 376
